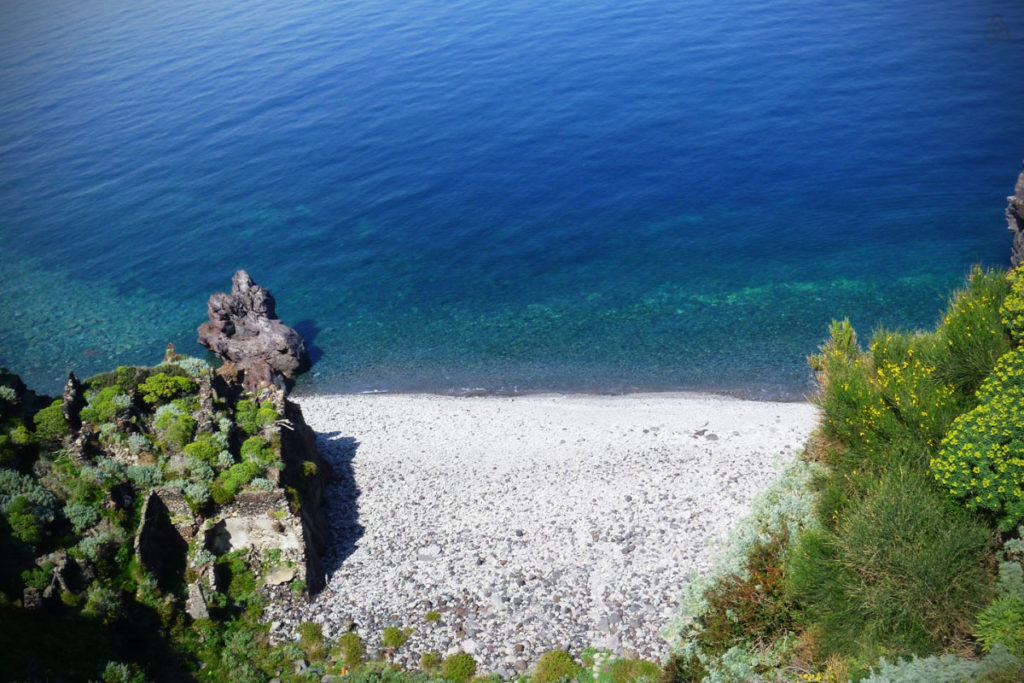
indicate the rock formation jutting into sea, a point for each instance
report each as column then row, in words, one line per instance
column 244, row 330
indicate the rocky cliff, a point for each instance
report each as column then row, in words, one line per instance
column 1015, row 220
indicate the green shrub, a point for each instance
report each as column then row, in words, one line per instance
column 683, row 667
column 15, row 485
column 632, row 670
column 197, row 493
column 128, row 377
column 252, row 417
column 1012, row 310
column 144, row 476
column 256, row 450
column 430, row 661
column 394, row 637
column 101, row 601
column 971, row 335
column 1002, row 622
column 267, row 414
column 203, row 450
column 194, row 367
column 246, row 416
column 903, row 571
column 852, row 406
column 241, row 582
column 175, row 426
column 104, row 405
column 120, row 672
column 50, row 423
column 81, row 516
column 921, row 406
column 225, row 487
column 139, row 443
column 981, row 460
column 22, row 519
column 162, row 387
column 777, row 515
column 311, row 640
column 948, row 669
column 20, row 436
column 458, row 668
column 38, row 577
column 554, row 665
column 433, row 616
column 225, row 460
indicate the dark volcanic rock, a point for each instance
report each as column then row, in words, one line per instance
column 298, row 446
column 1015, row 220
column 245, row 330
column 72, row 402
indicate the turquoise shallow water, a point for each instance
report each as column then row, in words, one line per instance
column 500, row 196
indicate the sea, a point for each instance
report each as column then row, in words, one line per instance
column 501, row 197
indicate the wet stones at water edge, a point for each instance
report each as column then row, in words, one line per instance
column 1015, row 220
column 244, row 330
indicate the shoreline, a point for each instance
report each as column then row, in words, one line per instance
column 738, row 395
column 532, row 522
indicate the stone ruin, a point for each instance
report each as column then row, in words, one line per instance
column 282, row 545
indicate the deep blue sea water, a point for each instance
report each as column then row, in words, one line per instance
column 517, row 195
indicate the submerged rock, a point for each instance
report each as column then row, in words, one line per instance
column 1015, row 220
column 244, row 329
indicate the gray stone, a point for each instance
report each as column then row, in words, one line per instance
column 279, row 575
column 195, row 604
column 430, row 552
column 31, row 598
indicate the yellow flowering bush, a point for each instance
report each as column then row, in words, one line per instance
column 971, row 335
column 921, row 404
column 981, row 459
column 1012, row 310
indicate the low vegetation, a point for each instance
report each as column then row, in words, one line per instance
column 909, row 567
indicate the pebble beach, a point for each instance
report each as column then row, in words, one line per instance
column 532, row 522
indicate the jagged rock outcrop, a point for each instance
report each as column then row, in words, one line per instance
column 244, row 330
column 1015, row 220
column 72, row 401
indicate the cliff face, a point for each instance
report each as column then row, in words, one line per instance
column 1015, row 220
